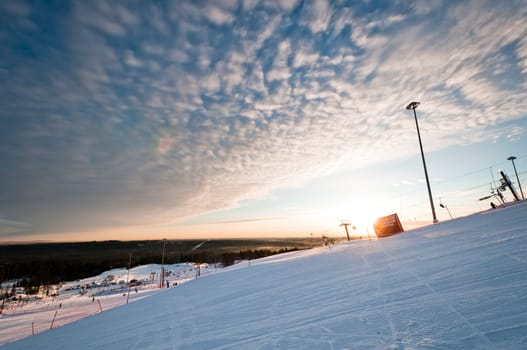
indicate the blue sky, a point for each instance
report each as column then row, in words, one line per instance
column 158, row 119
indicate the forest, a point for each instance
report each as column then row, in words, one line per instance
column 33, row 266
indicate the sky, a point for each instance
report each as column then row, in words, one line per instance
column 184, row 119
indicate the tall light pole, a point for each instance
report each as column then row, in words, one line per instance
column 413, row 106
column 512, row 158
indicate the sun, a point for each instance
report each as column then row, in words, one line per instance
column 359, row 217
column 363, row 219
column 361, row 222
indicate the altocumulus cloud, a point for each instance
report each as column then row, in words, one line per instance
column 132, row 113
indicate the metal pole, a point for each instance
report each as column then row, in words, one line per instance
column 448, row 210
column 162, row 277
column 424, row 166
column 128, row 278
column 53, row 320
column 515, row 172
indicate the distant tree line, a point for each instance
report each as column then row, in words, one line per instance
column 37, row 272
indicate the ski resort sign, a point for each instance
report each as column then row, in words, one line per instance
column 387, row 226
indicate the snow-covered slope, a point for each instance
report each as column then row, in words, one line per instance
column 455, row 285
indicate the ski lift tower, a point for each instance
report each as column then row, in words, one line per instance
column 346, row 223
column 512, row 158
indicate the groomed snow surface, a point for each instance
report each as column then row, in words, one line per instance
column 86, row 297
column 460, row 284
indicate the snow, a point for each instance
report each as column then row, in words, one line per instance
column 459, row 284
column 89, row 296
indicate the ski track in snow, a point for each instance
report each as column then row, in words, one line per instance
column 438, row 296
column 456, row 285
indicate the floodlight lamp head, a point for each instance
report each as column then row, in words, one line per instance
column 413, row 105
column 511, row 158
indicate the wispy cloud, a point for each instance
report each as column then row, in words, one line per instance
column 240, row 221
column 114, row 114
column 316, row 15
